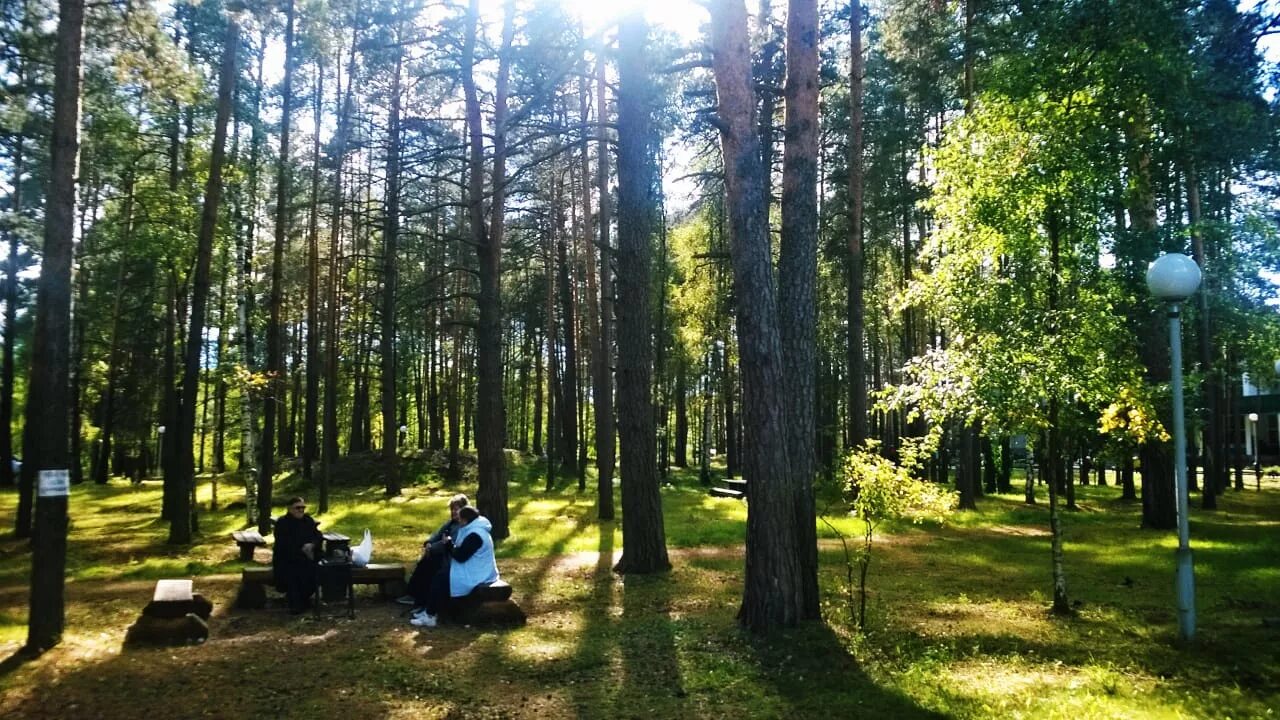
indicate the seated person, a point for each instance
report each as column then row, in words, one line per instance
column 471, row 564
column 434, row 560
column 294, row 556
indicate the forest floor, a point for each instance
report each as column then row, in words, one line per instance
column 958, row 618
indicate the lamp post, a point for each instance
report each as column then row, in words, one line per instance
column 160, row 448
column 1174, row 277
column 1257, row 459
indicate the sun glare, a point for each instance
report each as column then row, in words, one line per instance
column 682, row 17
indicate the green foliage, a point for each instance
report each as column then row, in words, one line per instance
column 876, row 489
column 1022, row 325
column 880, row 489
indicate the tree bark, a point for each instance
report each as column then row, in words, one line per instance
column 491, row 496
column 1056, row 468
column 275, row 356
column 315, row 328
column 390, row 239
column 45, row 439
column 773, row 595
column 856, row 303
column 245, row 234
column 182, row 521
column 602, row 359
column 682, row 414
column 644, row 548
column 1159, row 509
column 7, row 478
column 1214, row 467
column 329, row 453
column 797, row 280
column 568, row 445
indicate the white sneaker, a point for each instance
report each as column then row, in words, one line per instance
column 423, row 620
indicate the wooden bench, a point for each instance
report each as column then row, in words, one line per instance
column 389, row 577
column 487, row 605
column 248, row 540
column 731, row 488
column 496, row 591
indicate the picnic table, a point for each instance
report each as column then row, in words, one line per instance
column 389, row 577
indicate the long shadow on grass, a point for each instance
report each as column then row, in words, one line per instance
column 593, row 638
column 271, row 676
column 20, row 657
column 648, row 644
column 813, row 670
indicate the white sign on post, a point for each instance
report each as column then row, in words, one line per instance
column 54, row 483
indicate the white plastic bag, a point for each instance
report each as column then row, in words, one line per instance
column 362, row 553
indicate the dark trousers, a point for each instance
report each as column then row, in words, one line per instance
column 424, row 574
column 298, row 582
column 438, row 594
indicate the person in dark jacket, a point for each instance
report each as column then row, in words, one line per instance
column 434, row 561
column 471, row 564
column 294, row 556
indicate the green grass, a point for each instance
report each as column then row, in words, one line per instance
column 958, row 621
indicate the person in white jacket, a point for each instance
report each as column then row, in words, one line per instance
column 471, row 564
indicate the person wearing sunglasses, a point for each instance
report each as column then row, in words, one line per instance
column 294, row 556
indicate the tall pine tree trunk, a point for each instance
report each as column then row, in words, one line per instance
column 602, row 358
column 797, row 280
column 568, row 445
column 644, row 549
column 333, row 340
column 390, row 239
column 1214, row 467
column 7, row 478
column 181, row 522
column 774, row 594
column 45, row 439
column 246, row 231
column 1159, row 509
column 275, row 331
column 856, row 303
column 315, row 328
column 491, row 496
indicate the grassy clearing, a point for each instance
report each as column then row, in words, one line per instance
column 959, row 626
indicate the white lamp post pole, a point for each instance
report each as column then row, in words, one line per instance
column 1257, row 458
column 1173, row 278
column 160, row 448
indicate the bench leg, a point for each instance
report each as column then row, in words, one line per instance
column 252, row 596
column 392, row 589
column 246, row 553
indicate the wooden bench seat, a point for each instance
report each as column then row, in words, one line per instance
column 496, row 591
column 486, row 605
column 248, row 540
column 175, row 616
column 389, row 577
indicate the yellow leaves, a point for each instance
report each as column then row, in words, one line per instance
column 252, row 383
column 1133, row 417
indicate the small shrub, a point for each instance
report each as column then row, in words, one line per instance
column 876, row 489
